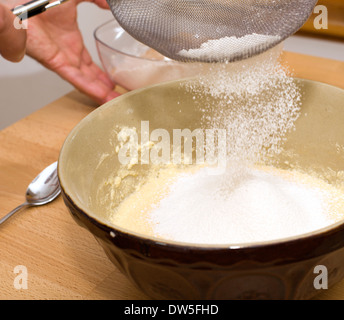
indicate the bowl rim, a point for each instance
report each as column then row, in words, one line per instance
column 96, row 36
column 107, row 225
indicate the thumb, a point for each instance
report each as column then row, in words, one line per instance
column 12, row 40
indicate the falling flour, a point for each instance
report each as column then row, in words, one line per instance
column 257, row 103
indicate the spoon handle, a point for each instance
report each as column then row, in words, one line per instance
column 24, row 205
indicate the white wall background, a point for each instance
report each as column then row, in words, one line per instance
column 27, row 86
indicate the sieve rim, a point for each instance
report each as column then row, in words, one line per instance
column 245, row 54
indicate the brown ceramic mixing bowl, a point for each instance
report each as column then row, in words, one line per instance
column 281, row 269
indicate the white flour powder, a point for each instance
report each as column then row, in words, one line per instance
column 262, row 206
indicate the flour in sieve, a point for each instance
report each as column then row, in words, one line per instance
column 227, row 48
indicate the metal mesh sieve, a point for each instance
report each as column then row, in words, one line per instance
column 170, row 26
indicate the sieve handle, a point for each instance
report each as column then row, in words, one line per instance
column 30, row 9
column 34, row 7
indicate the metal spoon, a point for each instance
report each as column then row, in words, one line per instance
column 42, row 190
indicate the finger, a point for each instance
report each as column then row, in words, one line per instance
column 94, row 71
column 89, row 68
column 92, row 86
column 100, row 3
column 97, row 91
column 105, row 79
column 102, row 85
column 12, row 40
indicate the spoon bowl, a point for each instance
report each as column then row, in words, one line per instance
column 42, row 190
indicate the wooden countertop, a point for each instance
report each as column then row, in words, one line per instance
column 63, row 260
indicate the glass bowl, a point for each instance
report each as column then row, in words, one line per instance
column 131, row 64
